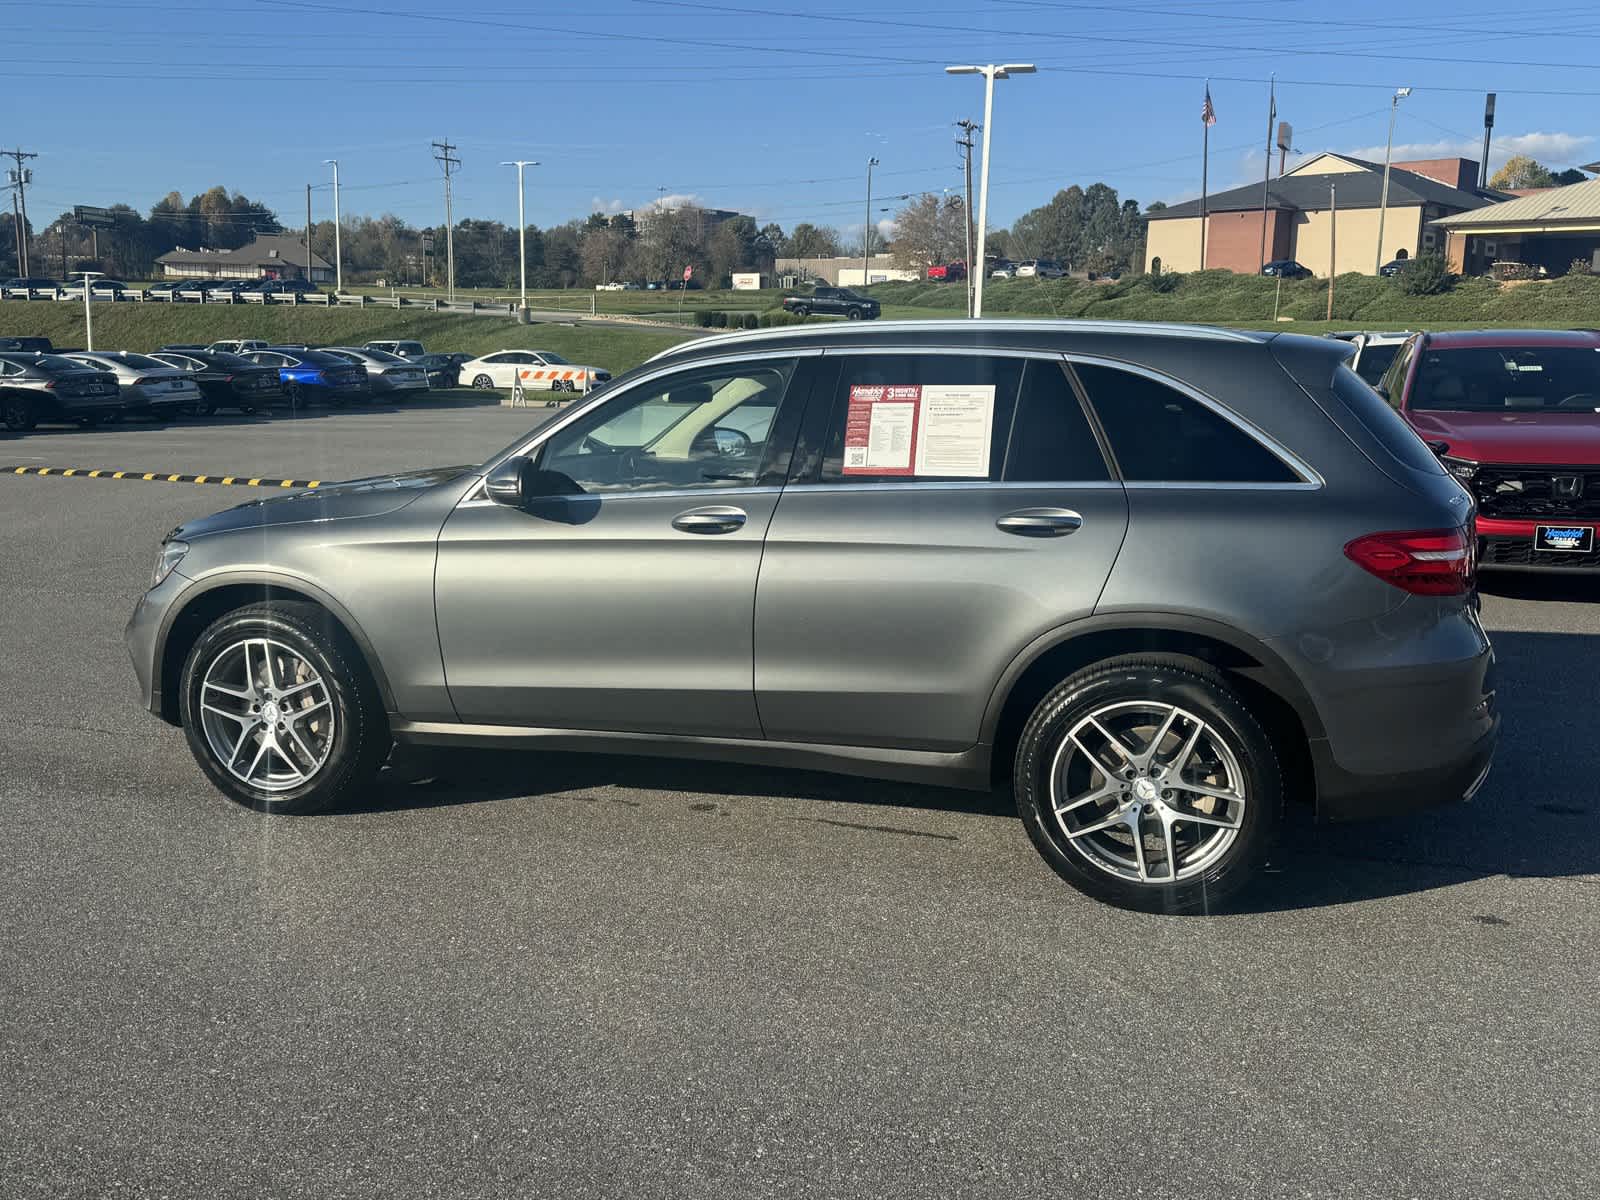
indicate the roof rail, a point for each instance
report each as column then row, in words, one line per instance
column 835, row 329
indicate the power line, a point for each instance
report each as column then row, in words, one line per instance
column 20, row 177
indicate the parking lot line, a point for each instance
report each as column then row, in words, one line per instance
column 162, row 477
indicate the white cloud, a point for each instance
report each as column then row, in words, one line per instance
column 676, row 200
column 1557, row 150
column 601, row 205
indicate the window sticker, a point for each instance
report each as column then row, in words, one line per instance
column 932, row 430
column 880, row 430
column 954, row 429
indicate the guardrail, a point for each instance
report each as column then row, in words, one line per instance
column 479, row 308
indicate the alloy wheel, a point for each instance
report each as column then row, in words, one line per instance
column 1147, row 792
column 267, row 714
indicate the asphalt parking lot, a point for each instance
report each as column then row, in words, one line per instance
column 551, row 975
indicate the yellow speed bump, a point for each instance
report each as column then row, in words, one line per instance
column 161, row 477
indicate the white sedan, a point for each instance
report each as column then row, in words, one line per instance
column 539, row 370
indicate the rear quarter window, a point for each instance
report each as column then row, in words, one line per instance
column 1384, row 423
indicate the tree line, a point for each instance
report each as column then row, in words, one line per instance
column 1082, row 228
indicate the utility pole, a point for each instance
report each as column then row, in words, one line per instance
column 866, row 229
column 16, row 221
column 21, row 177
column 448, row 162
column 1333, row 244
column 968, row 127
column 522, row 233
column 308, row 233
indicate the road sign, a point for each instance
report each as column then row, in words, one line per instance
column 94, row 218
column 427, row 243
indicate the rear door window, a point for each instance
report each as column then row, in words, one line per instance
column 1161, row 435
column 920, row 416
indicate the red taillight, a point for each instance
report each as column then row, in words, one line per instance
column 227, row 379
column 1428, row 562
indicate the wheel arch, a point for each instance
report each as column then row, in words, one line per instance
column 1265, row 682
column 206, row 603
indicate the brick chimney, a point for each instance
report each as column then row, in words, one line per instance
column 1452, row 172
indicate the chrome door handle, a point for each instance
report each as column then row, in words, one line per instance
column 718, row 518
column 1040, row 522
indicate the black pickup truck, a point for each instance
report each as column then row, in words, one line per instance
column 833, row 302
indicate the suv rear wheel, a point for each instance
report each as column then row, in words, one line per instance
column 1145, row 781
column 280, row 712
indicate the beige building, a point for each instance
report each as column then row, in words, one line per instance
column 1323, row 213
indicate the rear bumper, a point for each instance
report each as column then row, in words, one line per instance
column 1344, row 796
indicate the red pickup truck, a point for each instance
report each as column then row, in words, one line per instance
column 947, row 272
column 1514, row 414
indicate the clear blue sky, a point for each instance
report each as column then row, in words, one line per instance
column 766, row 108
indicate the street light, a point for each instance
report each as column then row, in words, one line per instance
column 990, row 73
column 1383, row 202
column 866, row 230
column 338, row 258
column 522, row 230
column 88, row 313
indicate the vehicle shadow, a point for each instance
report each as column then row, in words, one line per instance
column 1535, row 817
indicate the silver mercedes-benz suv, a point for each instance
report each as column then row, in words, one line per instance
column 1167, row 581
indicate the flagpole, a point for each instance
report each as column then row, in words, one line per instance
column 1205, row 170
column 1266, row 174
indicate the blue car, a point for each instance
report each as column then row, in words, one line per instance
column 309, row 375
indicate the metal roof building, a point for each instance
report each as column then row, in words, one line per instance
column 1551, row 228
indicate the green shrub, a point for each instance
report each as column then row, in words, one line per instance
column 747, row 321
column 1581, row 266
column 1425, row 275
column 1168, row 281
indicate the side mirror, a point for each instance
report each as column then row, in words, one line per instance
column 518, row 482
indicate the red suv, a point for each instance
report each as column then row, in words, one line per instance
column 1515, row 415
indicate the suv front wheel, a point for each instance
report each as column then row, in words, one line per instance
column 279, row 710
column 1145, row 781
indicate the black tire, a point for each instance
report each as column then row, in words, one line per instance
column 17, row 414
column 360, row 737
column 853, row 314
column 204, row 409
column 293, row 394
column 1196, row 691
column 483, row 383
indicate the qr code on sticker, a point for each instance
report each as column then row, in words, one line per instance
column 855, row 456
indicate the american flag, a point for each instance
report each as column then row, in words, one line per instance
column 1208, row 114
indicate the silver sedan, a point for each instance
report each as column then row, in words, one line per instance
column 386, row 372
column 147, row 385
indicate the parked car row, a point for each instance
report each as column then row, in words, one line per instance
column 40, row 384
column 41, row 287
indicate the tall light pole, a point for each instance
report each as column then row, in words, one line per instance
column 522, row 230
column 990, row 73
column 88, row 312
column 866, row 230
column 1388, row 150
column 338, row 258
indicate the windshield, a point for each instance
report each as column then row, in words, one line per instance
column 1507, row 378
column 554, row 359
column 143, row 361
column 382, row 356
